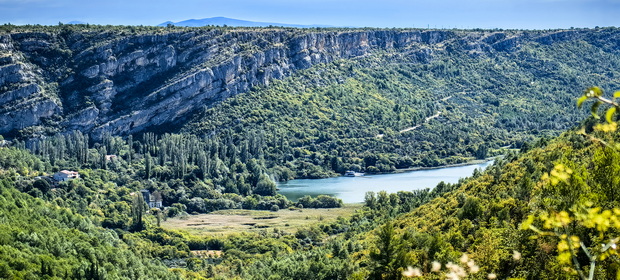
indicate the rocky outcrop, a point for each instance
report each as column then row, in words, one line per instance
column 23, row 100
column 124, row 82
column 557, row 37
column 27, row 114
column 18, row 93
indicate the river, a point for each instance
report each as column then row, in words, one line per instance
column 352, row 189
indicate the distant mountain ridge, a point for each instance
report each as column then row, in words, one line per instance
column 221, row 21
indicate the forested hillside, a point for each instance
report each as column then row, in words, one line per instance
column 322, row 100
column 39, row 240
column 391, row 109
column 523, row 218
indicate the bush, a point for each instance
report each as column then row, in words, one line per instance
column 173, row 212
column 42, row 185
column 321, row 201
column 471, row 209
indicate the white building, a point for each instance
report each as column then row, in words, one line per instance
column 154, row 200
column 66, row 175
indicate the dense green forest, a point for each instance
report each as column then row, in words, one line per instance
column 192, row 175
column 558, row 190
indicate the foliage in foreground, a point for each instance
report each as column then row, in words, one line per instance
column 565, row 191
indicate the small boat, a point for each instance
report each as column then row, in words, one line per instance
column 353, row 174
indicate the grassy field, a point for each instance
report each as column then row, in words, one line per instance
column 230, row 221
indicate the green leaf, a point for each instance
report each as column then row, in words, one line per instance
column 610, row 114
column 594, row 109
column 527, row 224
column 594, row 92
column 581, row 100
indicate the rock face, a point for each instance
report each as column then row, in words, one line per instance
column 24, row 101
column 123, row 81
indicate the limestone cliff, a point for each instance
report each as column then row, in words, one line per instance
column 125, row 81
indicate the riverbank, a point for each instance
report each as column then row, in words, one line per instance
column 470, row 162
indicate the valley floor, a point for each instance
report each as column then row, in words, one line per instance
column 225, row 222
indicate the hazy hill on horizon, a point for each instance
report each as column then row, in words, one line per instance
column 224, row 21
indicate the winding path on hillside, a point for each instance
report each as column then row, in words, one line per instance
column 426, row 119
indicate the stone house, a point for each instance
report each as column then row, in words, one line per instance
column 65, row 175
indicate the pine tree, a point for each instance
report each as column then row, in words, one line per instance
column 388, row 255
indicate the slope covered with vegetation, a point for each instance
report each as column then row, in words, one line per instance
column 483, row 216
column 548, row 212
column 392, row 109
column 39, row 240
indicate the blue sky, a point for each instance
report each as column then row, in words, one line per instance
column 526, row 14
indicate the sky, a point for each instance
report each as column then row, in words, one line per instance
column 507, row 14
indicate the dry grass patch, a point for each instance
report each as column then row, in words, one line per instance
column 225, row 222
